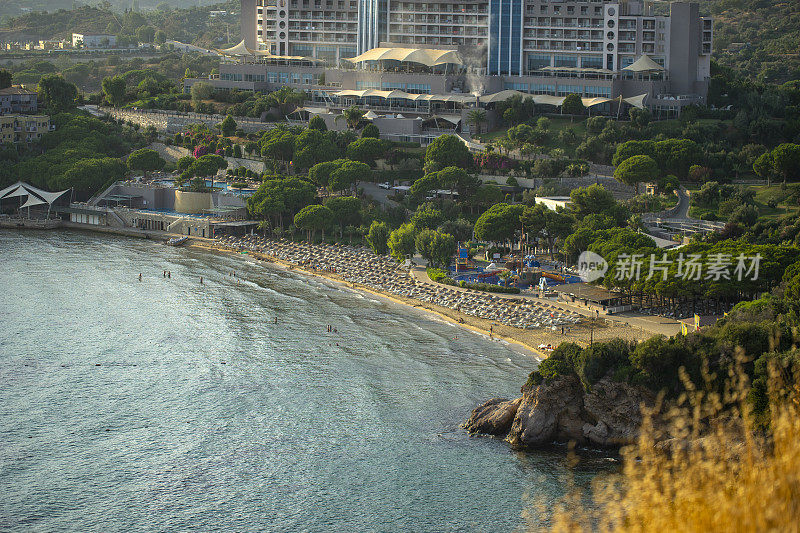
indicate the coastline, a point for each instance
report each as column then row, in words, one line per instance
column 466, row 322
column 526, row 339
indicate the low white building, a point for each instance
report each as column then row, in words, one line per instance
column 93, row 40
column 554, row 202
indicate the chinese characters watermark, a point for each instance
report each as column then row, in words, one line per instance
column 690, row 267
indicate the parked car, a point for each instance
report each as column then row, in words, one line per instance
column 384, row 185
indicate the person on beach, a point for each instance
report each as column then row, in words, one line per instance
column 169, row 274
column 140, row 276
column 201, row 280
column 276, row 320
column 491, row 330
column 164, row 273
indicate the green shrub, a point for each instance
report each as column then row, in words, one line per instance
column 440, row 276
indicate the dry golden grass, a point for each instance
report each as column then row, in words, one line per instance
column 733, row 478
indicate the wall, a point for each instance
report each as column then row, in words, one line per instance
column 192, row 202
column 248, row 24
column 684, row 46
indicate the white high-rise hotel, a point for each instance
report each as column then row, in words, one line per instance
column 505, row 37
column 421, row 58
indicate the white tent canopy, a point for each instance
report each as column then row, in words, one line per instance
column 23, row 189
column 424, row 56
column 32, row 200
column 644, row 64
column 636, row 101
column 237, row 50
column 8, row 193
column 240, row 50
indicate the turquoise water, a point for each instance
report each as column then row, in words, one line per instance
column 166, row 405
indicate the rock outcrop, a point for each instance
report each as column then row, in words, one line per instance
column 561, row 410
column 493, row 417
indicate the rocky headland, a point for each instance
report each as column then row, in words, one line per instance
column 609, row 414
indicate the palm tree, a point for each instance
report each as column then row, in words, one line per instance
column 352, row 116
column 476, row 117
column 286, row 99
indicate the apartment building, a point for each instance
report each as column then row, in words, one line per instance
column 15, row 99
column 93, row 40
column 17, row 129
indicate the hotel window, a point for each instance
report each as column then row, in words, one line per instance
column 418, row 88
column 565, row 61
column 415, row 88
column 592, row 61
column 272, row 77
column 308, row 79
column 295, row 77
column 509, row 86
column 537, row 61
column 327, row 54
column 625, row 61
column 362, row 85
column 595, row 92
column 302, row 50
column 564, row 90
column 542, row 88
column 284, row 77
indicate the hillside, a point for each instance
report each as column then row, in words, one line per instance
column 13, row 8
column 192, row 24
column 759, row 38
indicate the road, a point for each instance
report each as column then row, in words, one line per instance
column 379, row 195
column 683, row 205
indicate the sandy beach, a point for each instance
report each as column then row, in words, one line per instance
column 392, row 282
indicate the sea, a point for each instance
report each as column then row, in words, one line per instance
column 164, row 404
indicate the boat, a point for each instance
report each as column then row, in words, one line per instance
column 177, row 241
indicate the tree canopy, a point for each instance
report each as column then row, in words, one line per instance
column 637, row 169
column 146, row 160
column 57, row 94
column 437, row 248
column 313, row 218
column 499, row 222
column 366, row 150
column 228, row 126
column 447, row 151
column 377, row 237
column 402, row 241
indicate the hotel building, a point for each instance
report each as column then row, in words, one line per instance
column 612, row 53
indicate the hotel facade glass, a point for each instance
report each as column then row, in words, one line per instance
column 505, row 37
